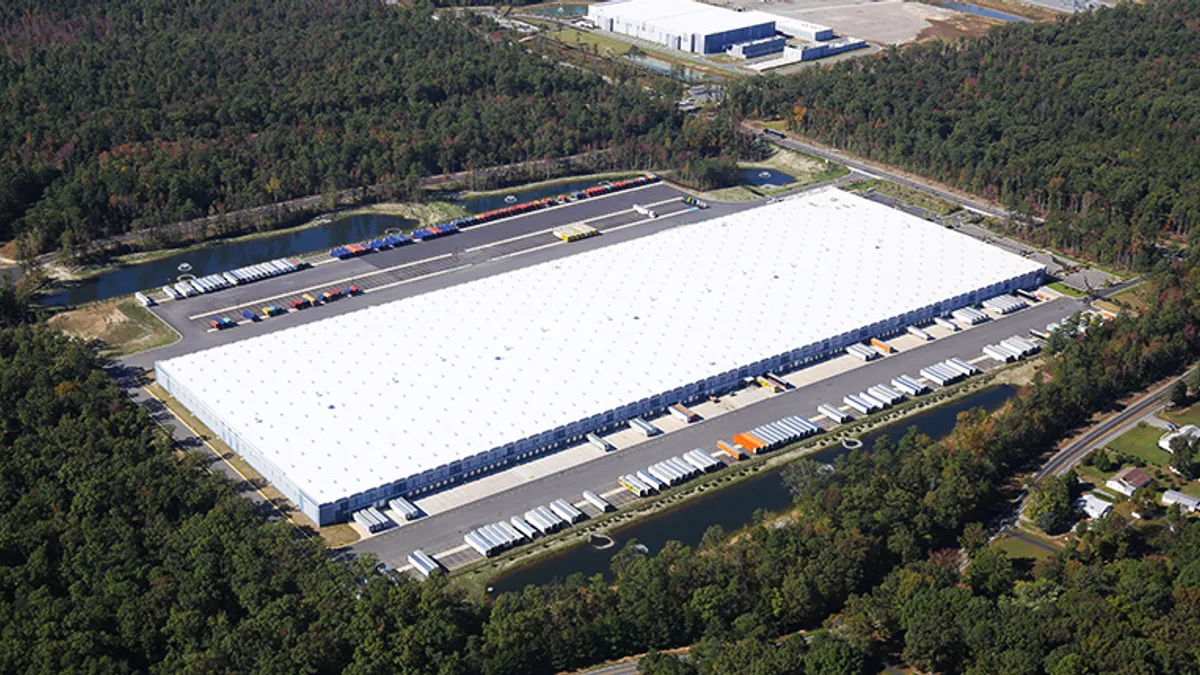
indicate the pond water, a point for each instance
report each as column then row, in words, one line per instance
column 668, row 68
column 224, row 257
column 766, row 177
column 733, row 507
column 968, row 8
column 560, row 10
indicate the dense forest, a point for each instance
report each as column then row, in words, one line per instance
column 117, row 555
column 125, row 115
column 1091, row 122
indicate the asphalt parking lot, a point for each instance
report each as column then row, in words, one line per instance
column 471, row 246
column 419, row 268
column 500, row 247
column 444, row 531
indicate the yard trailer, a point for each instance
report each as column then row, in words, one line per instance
column 946, row 323
column 524, row 527
column 423, row 563
column 913, row 330
column 600, row 443
column 601, row 504
column 834, row 413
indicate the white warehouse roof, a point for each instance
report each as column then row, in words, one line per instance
column 681, row 16
column 787, row 25
column 363, row 399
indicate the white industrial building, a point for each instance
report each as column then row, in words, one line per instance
column 416, row 394
column 794, row 28
column 684, row 25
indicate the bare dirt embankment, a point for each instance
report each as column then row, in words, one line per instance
column 122, row 324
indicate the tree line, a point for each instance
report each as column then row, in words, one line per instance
column 1090, row 123
column 130, row 115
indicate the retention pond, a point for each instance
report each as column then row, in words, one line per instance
column 224, row 257
column 968, row 8
column 732, row 508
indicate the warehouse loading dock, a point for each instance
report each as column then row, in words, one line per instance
column 290, row 425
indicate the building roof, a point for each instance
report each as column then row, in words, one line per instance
column 1132, row 476
column 681, row 16
column 1187, row 431
column 1184, row 500
column 1092, row 506
column 785, row 24
column 362, row 399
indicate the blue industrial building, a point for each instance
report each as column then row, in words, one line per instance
column 757, row 48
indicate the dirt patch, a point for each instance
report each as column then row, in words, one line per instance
column 803, row 168
column 957, row 26
column 8, row 250
column 124, row 326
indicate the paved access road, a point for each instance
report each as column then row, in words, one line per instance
column 872, row 170
column 127, row 378
column 1111, row 427
column 444, row 530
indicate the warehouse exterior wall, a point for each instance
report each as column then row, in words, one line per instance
column 673, row 32
column 716, row 43
column 757, row 48
column 554, row 439
column 244, row 449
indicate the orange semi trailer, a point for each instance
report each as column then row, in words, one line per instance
column 883, row 345
column 750, row 442
column 731, row 450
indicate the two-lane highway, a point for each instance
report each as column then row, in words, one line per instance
column 1112, row 427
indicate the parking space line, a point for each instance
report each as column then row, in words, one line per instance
column 327, row 284
column 556, row 227
column 641, row 221
column 473, row 227
column 647, row 220
column 511, row 239
column 423, row 276
column 559, row 206
column 527, row 250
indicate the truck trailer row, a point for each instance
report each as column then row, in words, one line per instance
column 242, row 275
column 1004, row 304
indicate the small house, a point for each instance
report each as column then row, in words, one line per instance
column 1128, row 481
column 1092, row 506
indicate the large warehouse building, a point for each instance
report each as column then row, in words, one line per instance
column 416, row 394
column 681, row 24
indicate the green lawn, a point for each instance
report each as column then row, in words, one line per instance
column 1189, row 415
column 1142, row 442
column 1069, row 291
column 1018, row 548
column 601, row 45
column 907, row 195
column 1093, row 475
